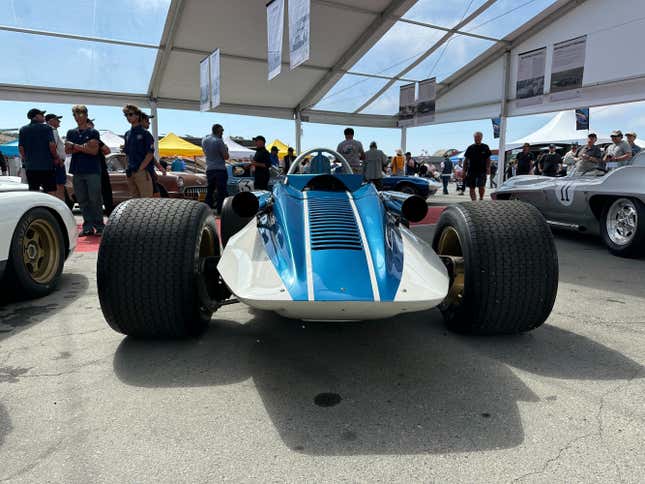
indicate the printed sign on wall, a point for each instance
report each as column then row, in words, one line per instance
column 568, row 65
column 215, row 79
column 407, row 105
column 530, row 73
column 299, row 31
column 275, row 33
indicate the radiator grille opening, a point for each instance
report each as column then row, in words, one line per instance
column 332, row 225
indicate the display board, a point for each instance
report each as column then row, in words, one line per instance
column 204, row 84
column 425, row 106
column 531, row 68
column 407, row 105
column 275, row 33
column 568, row 67
column 299, row 32
column 582, row 119
column 215, row 79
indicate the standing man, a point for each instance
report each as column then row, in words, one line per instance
column 525, row 160
column 618, row 152
column 352, row 150
column 551, row 163
column 375, row 161
column 477, row 166
column 631, row 139
column 262, row 164
column 83, row 144
column 3, row 165
column 589, row 156
column 411, row 167
column 216, row 153
column 106, row 185
column 61, row 175
column 275, row 161
column 287, row 160
column 398, row 164
column 140, row 148
column 38, row 152
column 446, row 173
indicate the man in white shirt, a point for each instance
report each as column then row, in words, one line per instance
column 352, row 150
column 61, row 175
column 617, row 153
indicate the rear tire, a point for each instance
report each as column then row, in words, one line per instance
column 503, row 291
column 230, row 222
column 151, row 273
column 36, row 255
column 626, row 240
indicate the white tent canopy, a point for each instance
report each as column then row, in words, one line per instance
column 237, row 151
column 112, row 140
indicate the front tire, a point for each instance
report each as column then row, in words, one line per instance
column 37, row 254
column 155, row 273
column 622, row 226
column 497, row 287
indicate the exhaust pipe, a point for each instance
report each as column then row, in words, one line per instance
column 248, row 204
column 410, row 207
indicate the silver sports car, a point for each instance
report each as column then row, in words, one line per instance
column 610, row 204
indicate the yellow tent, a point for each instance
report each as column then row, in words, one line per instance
column 282, row 148
column 173, row 145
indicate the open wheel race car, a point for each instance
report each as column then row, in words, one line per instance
column 324, row 247
column 37, row 234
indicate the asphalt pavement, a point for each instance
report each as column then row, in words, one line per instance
column 259, row 398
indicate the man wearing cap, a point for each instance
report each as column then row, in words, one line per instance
column 352, row 150
column 551, row 163
column 37, row 148
column 61, row 175
column 618, row 152
column 569, row 159
column 287, row 160
column 83, row 144
column 525, row 160
column 631, row 139
column 217, row 154
column 262, row 164
column 140, row 148
column 477, row 166
column 589, row 157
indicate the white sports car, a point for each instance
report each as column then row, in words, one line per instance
column 37, row 234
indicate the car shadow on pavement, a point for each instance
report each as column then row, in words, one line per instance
column 18, row 315
column 398, row 386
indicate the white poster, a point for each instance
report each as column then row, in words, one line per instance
column 568, row 65
column 204, row 91
column 275, row 32
column 530, row 73
column 425, row 107
column 299, row 30
column 215, row 79
column 407, row 105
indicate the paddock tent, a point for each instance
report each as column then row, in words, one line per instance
column 173, row 145
column 237, row 151
column 112, row 140
column 10, row 149
column 282, row 148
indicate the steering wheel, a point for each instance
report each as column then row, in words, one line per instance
column 294, row 166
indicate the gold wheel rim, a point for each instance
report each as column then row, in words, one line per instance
column 449, row 249
column 41, row 251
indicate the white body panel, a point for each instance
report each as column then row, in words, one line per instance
column 16, row 200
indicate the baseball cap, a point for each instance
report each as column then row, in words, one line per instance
column 52, row 116
column 552, row 145
column 260, row 137
column 631, row 133
column 33, row 112
column 617, row 133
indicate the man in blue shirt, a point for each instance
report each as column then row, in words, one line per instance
column 178, row 165
column 140, row 148
column 262, row 164
column 216, row 153
column 83, row 144
column 275, row 160
column 38, row 152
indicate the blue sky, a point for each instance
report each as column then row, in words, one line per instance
column 76, row 64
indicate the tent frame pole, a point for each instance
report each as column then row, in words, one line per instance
column 501, row 157
column 298, row 132
column 404, row 139
column 155, row 125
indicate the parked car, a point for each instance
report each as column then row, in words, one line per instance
column 412, row 185
column 172, row 185
column 37, row 234
column 240, row 177
column 610, row 204
column 325, row 247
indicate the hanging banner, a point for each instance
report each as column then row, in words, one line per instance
column 568, row 65
column 582, row 119
column 530, row 74
column 425, row 107
column 407, row 105
column 204, row 88
column 215, row 79
column 299, row 31
column 275, row 33
column 497, row 123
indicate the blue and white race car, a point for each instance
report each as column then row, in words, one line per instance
column 324, row 246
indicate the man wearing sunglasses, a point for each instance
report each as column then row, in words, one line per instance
column 618, row 152
column 140, row 149
column 83, row 144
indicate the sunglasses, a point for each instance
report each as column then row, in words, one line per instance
column 127, row 115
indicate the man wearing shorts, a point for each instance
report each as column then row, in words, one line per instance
column 477, row 166
column 38, row 152
column 140, row 148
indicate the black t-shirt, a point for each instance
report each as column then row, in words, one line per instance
column 35, row 139
column 477, row 155
column 549, row 164
column 288, row 159
column 84, row 163
column 524, row 163
column 263, row 157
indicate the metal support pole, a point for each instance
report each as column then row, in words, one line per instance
column 298, row 133
column 501, row 163
column 404, row 139
column 155, row 126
